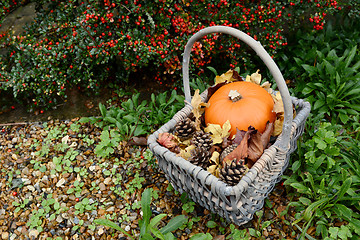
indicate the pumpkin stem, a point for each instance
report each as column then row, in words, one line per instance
column 234, row 95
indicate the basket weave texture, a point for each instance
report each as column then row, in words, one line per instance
column 235, row 203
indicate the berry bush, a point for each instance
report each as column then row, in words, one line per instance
column 82, row 44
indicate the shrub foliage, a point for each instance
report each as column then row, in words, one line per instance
column 74, row 43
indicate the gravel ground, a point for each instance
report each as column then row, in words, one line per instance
column 53, row 186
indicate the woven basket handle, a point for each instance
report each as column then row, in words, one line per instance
column 265, row 57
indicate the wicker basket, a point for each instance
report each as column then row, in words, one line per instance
column 235, row 203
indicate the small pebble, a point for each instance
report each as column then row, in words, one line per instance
column 102, row 187
column 60, row 183
column 76, row 220
column 107, row 181
column 5, row 235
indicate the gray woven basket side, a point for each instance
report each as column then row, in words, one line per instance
column 238, row 203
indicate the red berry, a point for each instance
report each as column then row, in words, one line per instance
column 76, row 199
column 14, row 194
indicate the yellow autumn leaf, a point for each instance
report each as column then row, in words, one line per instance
column 182, row 143
column 198, row 108
column 254, row 78
column 217, row 132
column 278, row 124
column 278, row 103
column 186, row 153
column 267, row 86
column 225, row 77
column 214, row 170
column 215, row 157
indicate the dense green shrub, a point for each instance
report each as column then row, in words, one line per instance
column 73, row 43
column 325, row 69
column 7, row 6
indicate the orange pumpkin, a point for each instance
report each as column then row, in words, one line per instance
column 244, row 104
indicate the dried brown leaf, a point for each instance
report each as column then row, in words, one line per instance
column 236, row 76
column 219, row 237
column 265, row 136
column 168, row 140
column 214, row 170
column 267, row 86
column 241, row 152
column 255, row 147
column 215, row 157
column 138, row 141
column 226, row 142
column 198, row 108
column 213, row 89
column 239, row 136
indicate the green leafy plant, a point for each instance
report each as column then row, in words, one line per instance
column 238, row 234
column 133, row 119
column 149, row 226
column 260, row 226
column 108, row 141
column 326, row 182
column 76, row 188
column 20, row 205
column 85, row 205
column 324, row 68
column 161, row 109
column 342, row 232
column 334, row 87
column 202, row 236
column 50, row 208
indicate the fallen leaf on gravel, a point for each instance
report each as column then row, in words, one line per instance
column 219, row 237
column 138, row 141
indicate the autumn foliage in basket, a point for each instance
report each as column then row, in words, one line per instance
column 82, row 44
column 227, row 148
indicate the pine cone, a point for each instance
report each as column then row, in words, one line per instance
column 200, row 157
column 202, row 140
column 233, row 172
column 227, row 151
column 185, row 128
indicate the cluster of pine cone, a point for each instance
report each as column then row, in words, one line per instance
column 230, row 172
